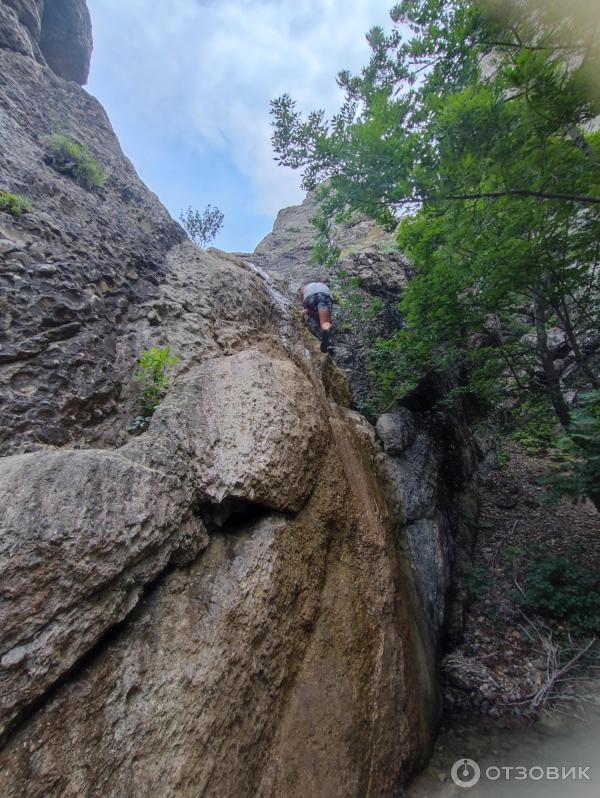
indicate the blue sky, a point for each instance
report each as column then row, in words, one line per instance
column 187, row 85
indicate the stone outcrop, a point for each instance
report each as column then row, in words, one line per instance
column 53, row 32
column 66, row 38
column 368, row 258
column 225, row 604
column 231, row 582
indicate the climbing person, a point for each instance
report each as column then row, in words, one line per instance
column 317, row 303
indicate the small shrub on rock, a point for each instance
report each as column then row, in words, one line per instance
column 76, row 161
column 14, row 204
column 152, row 374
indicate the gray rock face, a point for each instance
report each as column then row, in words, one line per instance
column 396, row 430
column 14, row 35
column 66, row 38
column 76, row 272
column 431, row 473
column 29, row 15
column 53, row 32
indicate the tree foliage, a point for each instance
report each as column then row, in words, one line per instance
column 203, row 227
column 469, row 131
column 578, row 451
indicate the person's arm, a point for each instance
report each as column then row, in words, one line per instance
column 304, row 308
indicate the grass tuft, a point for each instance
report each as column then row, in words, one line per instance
column 75, row 160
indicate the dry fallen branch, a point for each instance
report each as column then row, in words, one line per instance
column 502, row 542
column 557, row 670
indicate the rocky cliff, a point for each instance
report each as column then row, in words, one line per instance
column 224, row 605
column 246, row 599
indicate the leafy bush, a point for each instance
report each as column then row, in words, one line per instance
column 152, row 374
column 75, row 160
column 477, row 579
column 14, row 204
column 502, row 458
column 535, row 425
column 202, row 227
column 561, row 588
column 577, row 450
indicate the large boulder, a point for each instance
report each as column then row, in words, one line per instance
column 252, row 428
column 430, row 470
column 66, row 38
column 293, row 640
column 87, row 529
column 57, row 33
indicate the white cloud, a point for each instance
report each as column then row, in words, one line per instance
column 206, row 69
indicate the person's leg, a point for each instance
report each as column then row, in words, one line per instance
column 324, row 318
column 325, row 323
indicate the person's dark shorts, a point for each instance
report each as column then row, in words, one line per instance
column 316, row 302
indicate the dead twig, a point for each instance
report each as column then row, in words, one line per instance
column 502, row 542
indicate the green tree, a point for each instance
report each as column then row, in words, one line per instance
column 468, row 130
column 203, row 227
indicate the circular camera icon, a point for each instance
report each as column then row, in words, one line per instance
column 465, row 773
